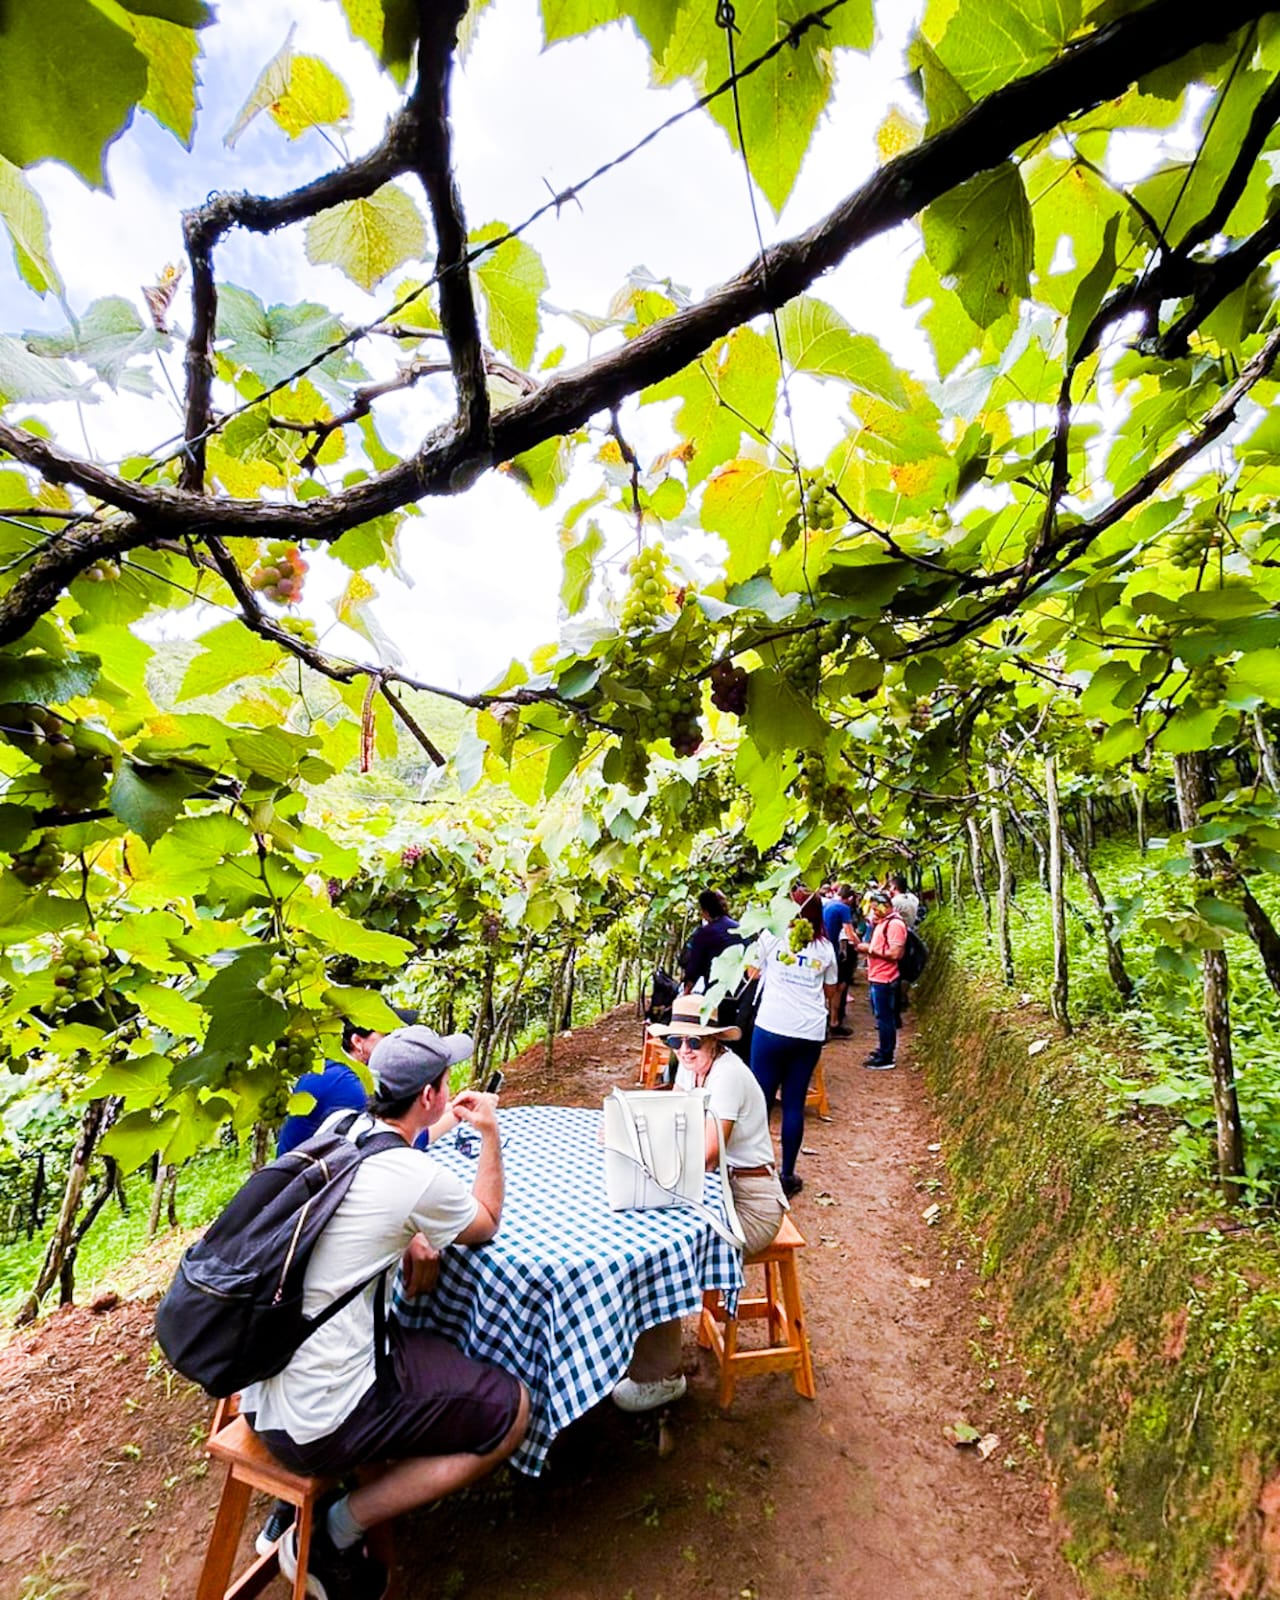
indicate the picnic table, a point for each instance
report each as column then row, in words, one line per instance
column 559, row 1296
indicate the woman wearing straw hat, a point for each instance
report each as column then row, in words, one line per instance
column 740, row 1117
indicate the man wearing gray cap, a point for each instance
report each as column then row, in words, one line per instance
column 442, row 1419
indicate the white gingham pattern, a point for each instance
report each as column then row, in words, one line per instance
column 560, row 1295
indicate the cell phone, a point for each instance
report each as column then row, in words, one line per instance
column 495, row 1082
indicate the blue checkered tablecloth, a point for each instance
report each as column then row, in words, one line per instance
column 559, row 1296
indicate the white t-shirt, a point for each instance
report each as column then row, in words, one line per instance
column 393, row 1195
column 735, row 1096
column 908, row 907
column 792, row 1003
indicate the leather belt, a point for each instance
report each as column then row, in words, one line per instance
column 750, row 1172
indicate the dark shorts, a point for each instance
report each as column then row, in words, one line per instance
column 442, row 1403
column 846, row 963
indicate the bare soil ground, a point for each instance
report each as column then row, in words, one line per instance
column 104, row 1489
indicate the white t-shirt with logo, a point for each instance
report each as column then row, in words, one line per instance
column 735, row 1096
column 791, row 1001
column 393, row 1195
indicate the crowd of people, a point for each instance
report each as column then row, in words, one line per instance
column 434, row 1418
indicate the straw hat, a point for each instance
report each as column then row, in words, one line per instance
column 686, row 1021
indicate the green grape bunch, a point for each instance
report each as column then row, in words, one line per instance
column 799, row 935
column 806, row 503
column 103, row 570
column 1209, row 683
column 292, row 970
column 77, row 967
column 73, row 759
column 801, row 662
column 1189, row 546
column 646, row 599
column 280, row 573
column 293, row 1056
column 41, row 864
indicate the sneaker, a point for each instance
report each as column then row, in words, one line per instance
column 629, row 1395
column 874, row 1064
column 792, row 1185
column 839, row 1031
column 332, row 1574
column 282, row 1515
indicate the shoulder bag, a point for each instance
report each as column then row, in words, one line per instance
column 655, row 1155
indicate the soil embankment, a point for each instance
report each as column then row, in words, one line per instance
column 858, row 1495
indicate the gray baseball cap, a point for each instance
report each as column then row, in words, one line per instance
column 406, row 1061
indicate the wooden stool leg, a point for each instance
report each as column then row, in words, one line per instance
column 232, row 1510
column 797, row 1336
column 305, row 1522
column 728, row 1368
column 773, row 1288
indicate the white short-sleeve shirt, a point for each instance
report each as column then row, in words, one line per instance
column 735, row 1096
column 792, row 1003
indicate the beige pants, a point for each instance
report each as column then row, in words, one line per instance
column 761, row 1208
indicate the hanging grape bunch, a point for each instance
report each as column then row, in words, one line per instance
column 40, row 864
column 77, row 967
column 279, row 574
column 799, row 938
column 729, row 686
column 1189, row 546
column 813, row 778
column 646, row 599
column 1209, row 683
column 301, row 628
column 491, row 926
column 292, row 1057
column 922, row 714
column 103, row 570
column 292, row 970
column 74, row 759
column 801, row 662
column 805, row 503
column 410, row 856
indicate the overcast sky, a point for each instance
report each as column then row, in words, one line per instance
column 485, row 567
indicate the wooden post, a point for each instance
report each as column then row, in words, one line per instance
column 1191, row 780
column 1058, row 988
column 975, row 868
column 1004, row 879
column 1266, row 753
column 1140, row 816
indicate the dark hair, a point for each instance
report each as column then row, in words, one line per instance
column 811, row 911
column 356, row 1030
column 899, row 882
column 713, row 903
column 847, row 891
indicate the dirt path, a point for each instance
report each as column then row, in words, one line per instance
column 858, row 1494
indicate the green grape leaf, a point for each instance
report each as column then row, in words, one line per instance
column 229, row 653
column 743, row 504
column 27, row 224
column 45, row 679
column 512, row 280
column 984, row 47
column 72, row 76
column 171, row 53
column 137, row 1136
column 389, row 28
column 335, row 929
column 16, row 823
column 240, row 1014
column 579, row 568
column 562, row 760
column 272, row 343
column 368, row 238
column 315, row 98
column 182, row 13
column 779, row 717
column 170, row 1009
column 817, row 339
column 107, row 337
column 980, row 234
column 37, row 380
column 149, row 800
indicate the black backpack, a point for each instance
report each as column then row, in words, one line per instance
column 915, row 953
column 233, row 1313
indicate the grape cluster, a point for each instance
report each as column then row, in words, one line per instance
column 646, row 599
column 1189, row 546
column 40, row 864
column 301, row 628
column 490, row 928
column 103, row 570
column 77, row 967
column 800, row 935
column 410, row 856
column 280, row 573
column 672, row 713
column 729, row 686
column 801, row 662
column 73, row 758
column 806, row 504
column 292, row 1057
column 921, row 717
column 290, row 971
column 1209, row 683
column 1161, row 630
column 273, row 1106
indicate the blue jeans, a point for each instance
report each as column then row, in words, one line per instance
column 778, row 1062
column 884, row 1008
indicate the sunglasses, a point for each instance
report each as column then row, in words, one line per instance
column 686, row 1041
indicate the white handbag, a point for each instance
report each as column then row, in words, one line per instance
column 655, row 1155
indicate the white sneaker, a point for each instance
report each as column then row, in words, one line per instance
column 632, row 1396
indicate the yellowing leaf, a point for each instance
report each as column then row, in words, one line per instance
column 512, row 280
column 272, row 85
column 23, row 214
column 316, row 97
column 742, row 503
column 896, row 134
column 368, row 238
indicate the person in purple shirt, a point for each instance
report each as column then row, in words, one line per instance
column 717, row 933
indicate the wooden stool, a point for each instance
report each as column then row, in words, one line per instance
column 788, row 1347
column 655, row 1058
column 816, row 1099
column 250, row 1466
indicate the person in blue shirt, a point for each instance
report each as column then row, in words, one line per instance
column 337, row 1086
column 837, row 915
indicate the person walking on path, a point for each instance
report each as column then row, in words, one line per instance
column 883, row 951
column 906, row 904
column 837, row 922
column 717, row 932
column 798, row 983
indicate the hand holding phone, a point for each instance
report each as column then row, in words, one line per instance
column 494, row 1083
